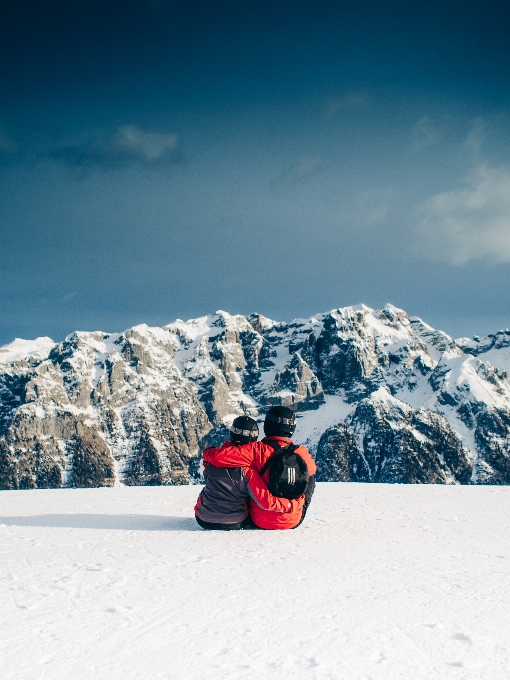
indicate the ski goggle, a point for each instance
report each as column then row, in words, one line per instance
column 254, row 432
column 283, row 421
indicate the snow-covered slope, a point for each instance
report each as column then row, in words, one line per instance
column 387, row 582
column 20, row 349
column 379, row 395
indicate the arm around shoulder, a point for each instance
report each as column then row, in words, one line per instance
column 263, row 497
column 229, row 455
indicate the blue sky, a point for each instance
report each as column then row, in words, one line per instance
column 167, row 159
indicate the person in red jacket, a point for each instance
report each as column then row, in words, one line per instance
column 279, row 425
column 223, row 503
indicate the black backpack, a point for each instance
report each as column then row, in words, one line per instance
column 288, row 473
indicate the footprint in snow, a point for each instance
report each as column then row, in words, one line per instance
column 462, row 638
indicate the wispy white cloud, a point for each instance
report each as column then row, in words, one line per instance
column 476, row 135
column 350, row 100
column 147, row 146
column 127, row 145
column 374, row 205
column 301, row 169
column 470, row 223
column 425, row 133
column 68, row 296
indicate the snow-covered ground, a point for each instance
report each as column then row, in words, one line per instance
column 393, row 582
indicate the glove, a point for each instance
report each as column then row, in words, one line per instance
column 297, row 504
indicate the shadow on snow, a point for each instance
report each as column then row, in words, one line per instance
column 91, row 521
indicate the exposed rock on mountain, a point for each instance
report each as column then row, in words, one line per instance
column 385, row 440
column 296, row 386
column 379, row 397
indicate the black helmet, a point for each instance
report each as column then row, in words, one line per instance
column 244, row 430
column 280, row 420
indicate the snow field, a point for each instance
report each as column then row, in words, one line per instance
column 380, row 582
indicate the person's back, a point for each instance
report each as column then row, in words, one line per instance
column 223, row 502
column 279, row 425
column 260, row 516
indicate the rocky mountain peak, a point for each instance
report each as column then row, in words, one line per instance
column 379, row 396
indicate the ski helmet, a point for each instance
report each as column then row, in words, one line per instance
column 280, row 420
column 244, row 430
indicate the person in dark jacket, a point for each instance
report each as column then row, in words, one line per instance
column 279, row 426
column 223, row 503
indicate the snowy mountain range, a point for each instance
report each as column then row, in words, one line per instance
column 379, row 397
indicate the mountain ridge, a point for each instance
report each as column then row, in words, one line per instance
column 379, row 396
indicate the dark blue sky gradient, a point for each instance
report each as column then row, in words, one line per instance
column 167, row 159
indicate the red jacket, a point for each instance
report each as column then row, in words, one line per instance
column 267, row 511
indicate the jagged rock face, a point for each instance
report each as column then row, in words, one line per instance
column 296, row 386
column 379, row 397
column 101, row 409
column 387, row 441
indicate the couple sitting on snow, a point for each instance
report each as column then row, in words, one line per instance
column 265, row 484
